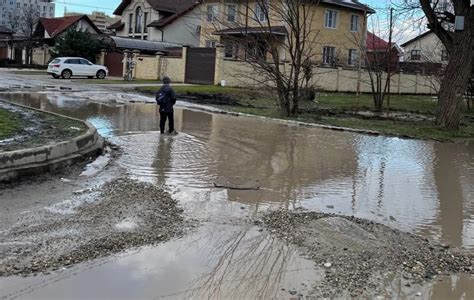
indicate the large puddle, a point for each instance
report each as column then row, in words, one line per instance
column 423, row 187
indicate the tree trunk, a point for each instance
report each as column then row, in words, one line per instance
column 294, row 109
column 377, row 93
column 283, row 100
column 454, row 84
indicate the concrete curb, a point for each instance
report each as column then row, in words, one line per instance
column 14, row 164
column 210, row 109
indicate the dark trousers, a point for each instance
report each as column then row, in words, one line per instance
column 163, row 117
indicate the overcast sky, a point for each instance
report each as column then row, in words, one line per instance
column 404, row 30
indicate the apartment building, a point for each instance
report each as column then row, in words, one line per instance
column 11, row 9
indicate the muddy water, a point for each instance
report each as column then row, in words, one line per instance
column 419, row 186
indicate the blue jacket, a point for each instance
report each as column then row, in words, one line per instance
column 166, row 98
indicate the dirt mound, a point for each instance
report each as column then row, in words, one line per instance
column 360, row 255
column 120, row 215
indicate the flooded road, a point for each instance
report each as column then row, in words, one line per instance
column 423, row 187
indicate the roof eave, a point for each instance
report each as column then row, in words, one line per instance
column 119, row 10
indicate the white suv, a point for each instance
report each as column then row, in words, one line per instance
column 66, row 67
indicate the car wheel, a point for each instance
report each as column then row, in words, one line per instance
column 66, row 74
column 101, row 74
column 55, row 76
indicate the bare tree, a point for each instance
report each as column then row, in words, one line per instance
column 276, row 39
column 440, row 17
column 13, row 20
column 379, row 57
column 22, row 22
column 29, row 18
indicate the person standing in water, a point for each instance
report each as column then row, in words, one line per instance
column 166, row 99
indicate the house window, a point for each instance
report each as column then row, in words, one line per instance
column 329, row 55
column 354, row 23
column 256, row 50
column 212, row 12
column 210, row 44
column 230, row 51
column 352, row 58
column 231, row 12
column 444, row 55
column 138, row 20
column 415, row 55
column 130, row 22
column 145, row 20
column 261, row 11
column 330, row 18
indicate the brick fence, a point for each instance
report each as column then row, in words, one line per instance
column 241, row 74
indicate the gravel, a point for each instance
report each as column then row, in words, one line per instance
column 359, row 256
column 119, row 215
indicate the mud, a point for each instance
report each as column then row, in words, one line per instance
column 421, row 187
column 39, row 129
column 120, row 215
column 360, row 256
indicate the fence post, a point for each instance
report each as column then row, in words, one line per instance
column 184, row 57
column 219, row 64
column 337, row 79
column 135, row 55
column 416, row 84
column 159, row 64
column 125, row 63
column 399, row 82
column 102, row 56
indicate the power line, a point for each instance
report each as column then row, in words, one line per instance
column 83, row 5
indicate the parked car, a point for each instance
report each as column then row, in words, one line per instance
column 66, row 67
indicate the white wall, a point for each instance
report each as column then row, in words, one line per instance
column 181, row 31
column 184, row 29
column 84, row 26
column 430, row 46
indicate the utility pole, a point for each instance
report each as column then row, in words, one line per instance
column 362, row 54
column 246, row 25
column 389, row 60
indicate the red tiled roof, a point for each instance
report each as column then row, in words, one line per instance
column 375, row 43
column 55, row 26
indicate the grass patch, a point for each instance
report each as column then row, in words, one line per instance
column 9, row 123
column 193, row 89
column 409, row 103
column 36, row 129
column 339, row 104
column 117, row 81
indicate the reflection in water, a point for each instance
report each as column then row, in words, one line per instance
column 216, row 262
column 453, row 210
column 420, row 186
column 247, row 265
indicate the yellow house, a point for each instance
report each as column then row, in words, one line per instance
column 337, row 28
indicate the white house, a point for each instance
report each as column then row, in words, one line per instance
column 172, row 21
column 49, row 30
column 425, row 48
